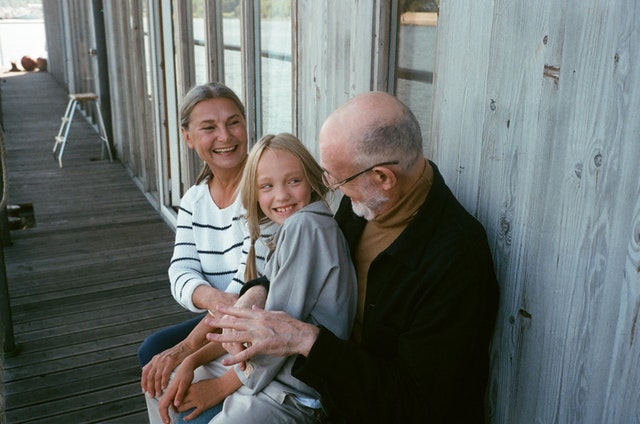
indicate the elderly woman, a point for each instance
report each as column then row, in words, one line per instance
column 207, row 266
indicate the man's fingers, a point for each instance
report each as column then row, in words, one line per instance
column 227, row 323
column 235, row 337
column 238, row 312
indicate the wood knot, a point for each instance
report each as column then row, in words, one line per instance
column 524, row 313
column 597, row 160
column 552, row 72
column 505, row 229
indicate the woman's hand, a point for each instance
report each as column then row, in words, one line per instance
column 207, row 297
column 155, row 375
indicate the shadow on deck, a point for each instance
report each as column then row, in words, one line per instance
column 89, row 281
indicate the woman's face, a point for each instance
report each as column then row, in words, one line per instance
column 218, row 133
column 282, row 186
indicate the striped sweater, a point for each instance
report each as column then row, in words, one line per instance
column 210, row 248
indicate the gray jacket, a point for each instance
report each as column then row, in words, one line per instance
column 313, row 280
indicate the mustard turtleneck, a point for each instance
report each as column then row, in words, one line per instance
column 380, row 232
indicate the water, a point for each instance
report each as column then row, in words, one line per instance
column 417, row 48
column 21, row 37
column 416, row 51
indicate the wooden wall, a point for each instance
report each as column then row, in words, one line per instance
column 334, row 57
column 55, row 43
column 536, row 128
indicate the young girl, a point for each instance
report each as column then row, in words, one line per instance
column 311, row 278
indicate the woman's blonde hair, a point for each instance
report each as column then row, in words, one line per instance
column 249, row 186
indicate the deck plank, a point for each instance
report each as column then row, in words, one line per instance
column 89, row 281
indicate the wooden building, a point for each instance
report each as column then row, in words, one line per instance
column 530, row 110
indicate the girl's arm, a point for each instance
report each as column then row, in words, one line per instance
column 179, row 394
column 207, row 393
column 156, row 374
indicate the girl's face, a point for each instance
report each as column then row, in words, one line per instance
column 282, row 186
column 217, row 132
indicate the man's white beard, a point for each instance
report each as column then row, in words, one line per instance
column 368, row 209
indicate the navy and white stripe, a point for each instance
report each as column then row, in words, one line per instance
column 208, row 247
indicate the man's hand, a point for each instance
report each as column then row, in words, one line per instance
column 155, row 375
column 265, row 332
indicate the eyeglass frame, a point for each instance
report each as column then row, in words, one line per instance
column 337, row 184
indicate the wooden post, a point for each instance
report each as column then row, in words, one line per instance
column 7, row 341
column 6, row 323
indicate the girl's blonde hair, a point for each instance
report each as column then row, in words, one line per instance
column 249, row 185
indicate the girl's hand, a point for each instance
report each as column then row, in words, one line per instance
column 202, row 395
column 174, row 396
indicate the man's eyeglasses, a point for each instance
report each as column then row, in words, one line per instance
column 332, row 184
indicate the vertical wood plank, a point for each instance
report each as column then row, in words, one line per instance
column 536, row 131
column 334, row 59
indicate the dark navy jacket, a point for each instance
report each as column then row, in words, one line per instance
column 429, row 314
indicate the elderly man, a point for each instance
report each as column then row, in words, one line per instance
column 427, row 290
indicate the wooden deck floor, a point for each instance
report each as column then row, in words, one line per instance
column 89, row 282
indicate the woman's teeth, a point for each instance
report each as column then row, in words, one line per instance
column 225, row 150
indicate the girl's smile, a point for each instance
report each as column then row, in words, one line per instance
column 283, row 188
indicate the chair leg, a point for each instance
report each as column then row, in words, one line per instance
column 66, row 132
column 103, row 133
column 63, row 125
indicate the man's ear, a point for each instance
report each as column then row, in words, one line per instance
column 187, row 137
column 384, row 177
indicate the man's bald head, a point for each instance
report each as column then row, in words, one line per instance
column 372, row 127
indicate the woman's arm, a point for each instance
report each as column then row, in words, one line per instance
column 155, row 374
column 189, row 285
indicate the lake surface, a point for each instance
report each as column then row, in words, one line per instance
column 416, row 51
